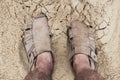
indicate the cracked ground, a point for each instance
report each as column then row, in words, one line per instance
column 103, row 15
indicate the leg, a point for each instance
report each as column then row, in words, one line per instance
column 44, row 63
column 80, row 62
column 43, row 69
column 82, row 69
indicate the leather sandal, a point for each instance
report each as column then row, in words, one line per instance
column 36, row 39
column 81, row 41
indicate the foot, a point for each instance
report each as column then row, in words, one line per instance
column 82, row 54
column 37, row 44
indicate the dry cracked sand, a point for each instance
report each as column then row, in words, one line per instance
column 103, row 15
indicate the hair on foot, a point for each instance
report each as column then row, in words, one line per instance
column 88, row 74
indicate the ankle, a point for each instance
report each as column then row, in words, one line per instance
column 80, row 62
column 44, row 62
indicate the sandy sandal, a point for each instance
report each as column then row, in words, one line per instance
column 36, row 39
column 81, row 41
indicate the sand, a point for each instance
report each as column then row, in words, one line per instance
column 103, row 15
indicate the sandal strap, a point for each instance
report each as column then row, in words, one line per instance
column 92, row 55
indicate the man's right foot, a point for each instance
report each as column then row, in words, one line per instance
column 82, row 54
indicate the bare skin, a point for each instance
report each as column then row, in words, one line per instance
column 81, row 66
column 80, row 62
column 43, row 69
column 44, row 63
column 82, row 69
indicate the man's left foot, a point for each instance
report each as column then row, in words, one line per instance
column 37, row 43
column 82, row 46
